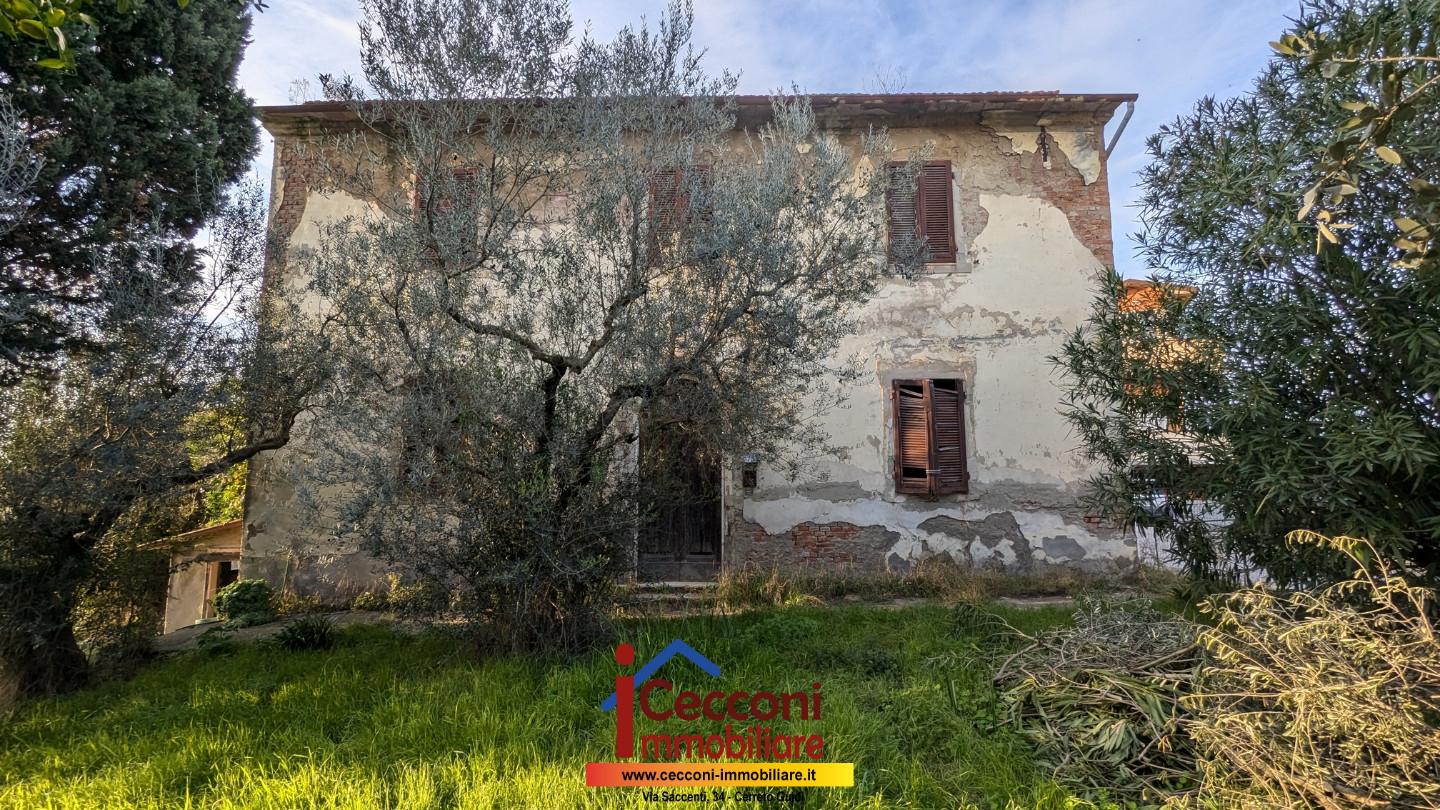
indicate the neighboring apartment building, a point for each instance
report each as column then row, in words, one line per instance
column 953, row 445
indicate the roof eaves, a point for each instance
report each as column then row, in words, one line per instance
column 922, row 104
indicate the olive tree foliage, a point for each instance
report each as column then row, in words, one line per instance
column 521, row 309
column 1295, row 337
column 93, row 455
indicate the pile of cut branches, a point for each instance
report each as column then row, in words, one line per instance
column 1101, row 699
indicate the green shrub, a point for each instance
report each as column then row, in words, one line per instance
column 245, row 602
column 121, row 607
column 785, row 630
column 289, row 603
column 370, row 600
column 312, row 632
column 415, row 598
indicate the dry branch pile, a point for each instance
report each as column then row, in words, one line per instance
column 1101, row 699
column 1328, row 698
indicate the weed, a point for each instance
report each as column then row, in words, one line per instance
column 312, row 632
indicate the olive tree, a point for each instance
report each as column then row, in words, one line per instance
column 571, row 249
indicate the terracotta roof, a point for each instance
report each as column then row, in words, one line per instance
column 1141, row 294
column 879, row 106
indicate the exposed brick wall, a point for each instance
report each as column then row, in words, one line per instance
column 1087, row 207
column 295, row 172
column 825, row 547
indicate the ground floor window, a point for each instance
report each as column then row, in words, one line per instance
column 929, row 419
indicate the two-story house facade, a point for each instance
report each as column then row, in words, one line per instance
column 952, row 444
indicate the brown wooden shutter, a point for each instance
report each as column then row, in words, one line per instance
column 703, row 177
column 666, row 191
column 467, row 185
column 911, row 412
column 930, row 452
column 421, row 194
column 466, row 181
column 947, row 427
column 901, row 213
column 670, row 208
column 937, row 210
column 445, row 208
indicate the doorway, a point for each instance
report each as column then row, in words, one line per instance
column 681, row 541
column 218, row 574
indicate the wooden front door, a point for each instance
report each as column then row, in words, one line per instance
column 681, row 542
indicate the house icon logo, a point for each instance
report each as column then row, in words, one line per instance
column 623, row 698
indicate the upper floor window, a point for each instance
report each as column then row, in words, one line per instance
column 922, row 218
column 671, row 207
column 463, row 188
column 929, row 418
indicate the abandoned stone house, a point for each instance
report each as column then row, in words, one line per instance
column 954, row 446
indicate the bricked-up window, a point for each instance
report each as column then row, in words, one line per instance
column 671, row 208
column 922, row 217
column 929, row 417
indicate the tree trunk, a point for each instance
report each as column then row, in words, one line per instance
column 42, row 661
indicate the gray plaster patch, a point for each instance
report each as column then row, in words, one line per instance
column 1063, row 547
column 897, row 564
column 836, row 491
column 995, row 529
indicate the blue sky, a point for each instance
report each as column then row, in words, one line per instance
column 1170, row 52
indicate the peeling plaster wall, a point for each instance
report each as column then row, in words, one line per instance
column 289, row 541
column 1031, row 239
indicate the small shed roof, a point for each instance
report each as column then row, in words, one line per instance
column 194, row 537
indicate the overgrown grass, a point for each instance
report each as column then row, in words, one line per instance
column 934, row 578
column 388, row 720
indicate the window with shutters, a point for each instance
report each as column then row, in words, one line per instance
column 447, row 215
column 443, row 202
column 671, row 207
column 929, row 418
column 922, row 217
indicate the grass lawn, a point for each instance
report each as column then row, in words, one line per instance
column 388, row 720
